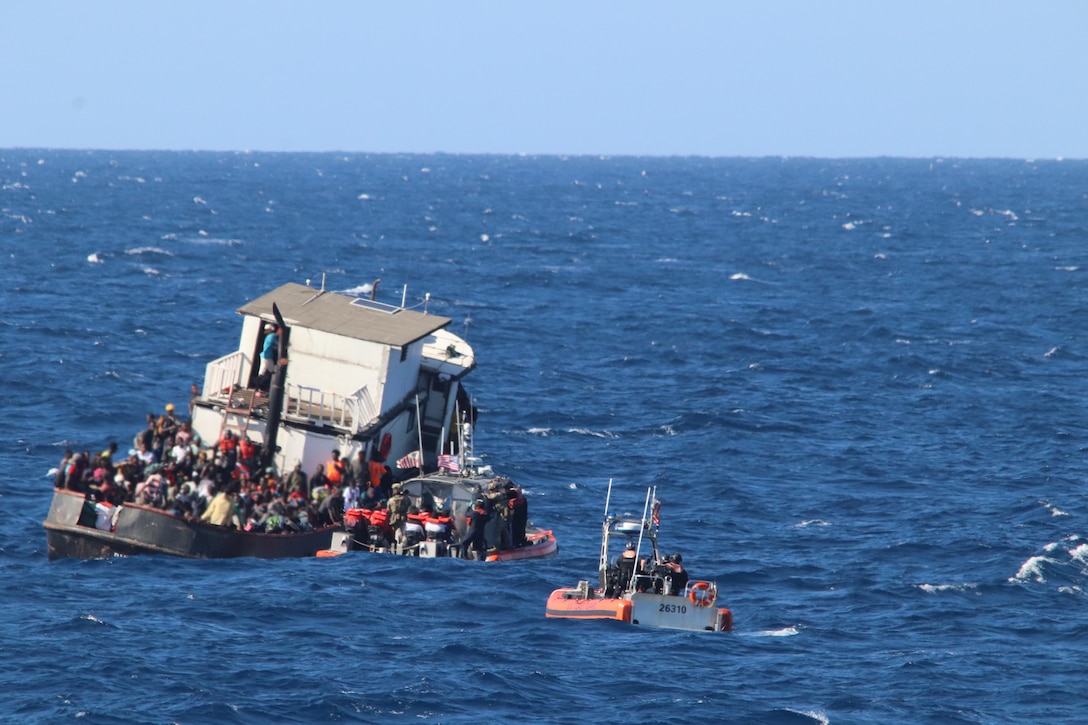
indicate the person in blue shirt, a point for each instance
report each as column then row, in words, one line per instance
column 270, row 349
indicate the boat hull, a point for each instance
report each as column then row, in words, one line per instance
column 572, row 604
column 541, row 545
column 75, row 530
column 646, row 609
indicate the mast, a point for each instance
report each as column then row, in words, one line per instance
column 602, row 567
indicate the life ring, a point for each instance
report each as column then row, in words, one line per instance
column 703, row 594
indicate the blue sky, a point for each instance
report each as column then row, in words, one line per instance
column 832, row 78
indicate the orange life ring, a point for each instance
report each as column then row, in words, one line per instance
column 703, row 594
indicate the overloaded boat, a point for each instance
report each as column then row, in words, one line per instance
column 373, row 382
column 639, row 585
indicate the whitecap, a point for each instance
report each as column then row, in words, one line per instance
column 1032, row 570
column 740, row 275
column 1080, row 553
column 597, row 434
column 52, row 472
column 811, row 522
column 817, row 716
column 936, row 588
column 1051, row 352
column 364, row 197
column 198, row 200
column 93, row 258
column 880, row 255
column 1071, row 268
column 485, row 238
column 849, row 226
column 542, row 432
column 784, row 632
column 149, row 250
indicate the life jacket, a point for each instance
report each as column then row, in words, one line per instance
column 246, row 449
column 376, row 470
column 380, row 518
column 414, row 528
column 437, row 528
column 334, row 470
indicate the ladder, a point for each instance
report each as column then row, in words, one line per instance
column 239, row 402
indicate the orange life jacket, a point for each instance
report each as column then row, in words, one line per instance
column 377, row 470
column 334, row 470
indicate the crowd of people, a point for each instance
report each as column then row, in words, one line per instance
column 225, row 484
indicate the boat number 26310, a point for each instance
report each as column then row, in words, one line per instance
column 673, row 608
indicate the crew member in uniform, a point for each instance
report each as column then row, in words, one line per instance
column 677, row 576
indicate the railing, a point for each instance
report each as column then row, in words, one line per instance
column 223, row 374
column 323, row 407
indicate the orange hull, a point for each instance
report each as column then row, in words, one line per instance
column 568, row 604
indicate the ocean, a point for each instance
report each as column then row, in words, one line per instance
column 856, row 385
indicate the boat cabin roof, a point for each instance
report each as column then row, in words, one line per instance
column 360, row 319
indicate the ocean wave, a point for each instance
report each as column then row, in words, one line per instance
column 938, row 588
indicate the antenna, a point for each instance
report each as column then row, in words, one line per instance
column 404, row 297
column 426, row 299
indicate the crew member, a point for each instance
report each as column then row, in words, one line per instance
column 474, row 542
column 676, row 575
column 519, row 514
column 398, row 505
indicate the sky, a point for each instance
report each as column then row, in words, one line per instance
column 823, row 78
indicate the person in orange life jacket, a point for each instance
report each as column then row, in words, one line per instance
column 380, row 475
column 228, row 452
column 474, row 541
column 335, row 469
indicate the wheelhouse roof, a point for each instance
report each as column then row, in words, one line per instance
column 307, row 307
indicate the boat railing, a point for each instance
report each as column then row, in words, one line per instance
column 222, row 375
column 323, row 407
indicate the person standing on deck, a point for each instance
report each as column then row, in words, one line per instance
column 335, row 470
column 270, row 350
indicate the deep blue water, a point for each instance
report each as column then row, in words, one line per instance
column 857, row 385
